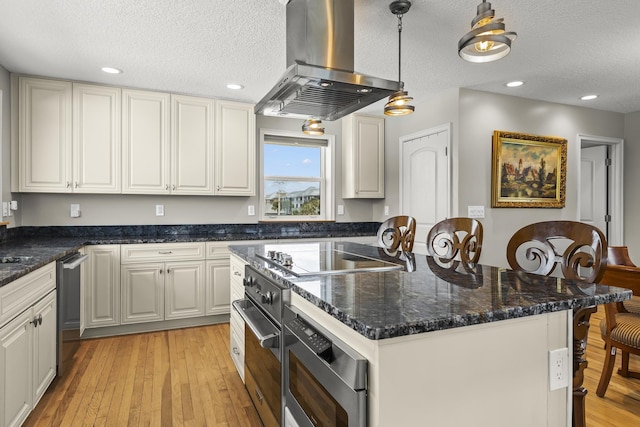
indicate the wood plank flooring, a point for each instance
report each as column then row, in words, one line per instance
column 185, row 377
column 182, row 377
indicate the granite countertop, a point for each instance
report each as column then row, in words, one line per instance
column 38, row 246
column 431, row 297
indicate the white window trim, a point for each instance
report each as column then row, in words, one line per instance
column 329, row 190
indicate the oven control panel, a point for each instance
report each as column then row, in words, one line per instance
column 317, row 342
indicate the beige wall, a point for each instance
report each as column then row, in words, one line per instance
column 475, row 115
column 631, row 180
column 5, row 135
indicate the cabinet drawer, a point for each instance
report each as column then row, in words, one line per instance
column 160, row 252
column 237, row 352
column 25, row 291
column 236, row 323
column 217, row 250
column 237, row 268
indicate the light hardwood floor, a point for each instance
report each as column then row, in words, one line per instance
column 182, row 377
column 185, row 377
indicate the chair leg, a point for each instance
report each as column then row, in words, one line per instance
column 579, row 408
column 607, row 370
column 624, row 369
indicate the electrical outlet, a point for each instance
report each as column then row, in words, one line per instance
column 558, row 368
column 5, row 209
column 386, row 210
column 159, row 210
column 74, row 211
column 340, row 209
column 251, row 210
column 475, row 211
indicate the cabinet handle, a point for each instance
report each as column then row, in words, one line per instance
column 165, row 252
column 168, row 270
column 161, row 271
column 173, row 187
column 218, row 187
column 75, row 184
column 237, row 273
column 36, row 321
column 68, row 184
column 235, row 350
column 166, row 187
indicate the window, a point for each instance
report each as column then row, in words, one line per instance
column 296, row 176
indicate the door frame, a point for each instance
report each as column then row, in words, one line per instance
column 420, row 134
column 615, row 174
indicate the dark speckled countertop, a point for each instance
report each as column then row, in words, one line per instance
column 431, row 298
column 41, row 245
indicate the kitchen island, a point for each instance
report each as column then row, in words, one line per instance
column 446, row 347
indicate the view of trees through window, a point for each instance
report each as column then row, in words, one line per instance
column 293, row 179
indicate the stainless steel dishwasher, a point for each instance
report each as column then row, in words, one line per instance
column 68, row 292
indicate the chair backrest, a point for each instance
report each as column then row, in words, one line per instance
column 579, row 249
column 619, row 255
column 397, row 233
column 455, row 236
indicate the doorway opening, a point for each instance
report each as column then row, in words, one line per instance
column 601, row 185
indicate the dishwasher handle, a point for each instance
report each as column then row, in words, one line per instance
column 74, row 262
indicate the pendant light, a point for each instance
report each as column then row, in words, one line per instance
column 487, row 41
column 313, row 127
column 398, row 104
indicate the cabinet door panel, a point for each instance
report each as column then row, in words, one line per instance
column 362, row 156
column 96, row 139
column 192, row 145
column 44, row 119
column 218, row 289
column 102, row 283
column 184, row 290
column 145, row 142
column 44, row 350
column 235, row 149
column 15, row 370
column 142, row 293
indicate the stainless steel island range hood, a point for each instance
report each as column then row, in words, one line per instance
column 319, row 81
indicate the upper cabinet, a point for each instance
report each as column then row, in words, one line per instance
column 235, row 155
column 44, row 129
column 145, row 142
column 83, row 138
column 362, row 157
column 96, row 139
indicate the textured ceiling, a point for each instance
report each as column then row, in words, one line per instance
column 565, row 49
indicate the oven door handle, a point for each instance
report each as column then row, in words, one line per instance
column 266, row 333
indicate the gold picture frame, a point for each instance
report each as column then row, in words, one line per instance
column 528, row 171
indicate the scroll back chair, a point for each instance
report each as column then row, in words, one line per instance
column 397, row 234
column 579, row 251
column 455, row 238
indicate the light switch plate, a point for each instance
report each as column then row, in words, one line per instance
column 5, row 209
column 386, row 210
column 475, row 211
column 159, row 210
column 340, row 209
column 251, row 210
column 74, row 211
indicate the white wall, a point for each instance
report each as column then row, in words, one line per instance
column 631, row 181
column 5, row 135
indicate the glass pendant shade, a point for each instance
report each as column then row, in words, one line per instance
column 313, row 127
column 398, row 104
column 487, row 41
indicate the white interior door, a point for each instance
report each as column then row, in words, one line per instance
column 424, row 180
column 593, row 187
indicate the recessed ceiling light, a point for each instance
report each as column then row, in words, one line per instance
column 588, row 97
column 235, row 86
column 515, row 83
column 112, row 70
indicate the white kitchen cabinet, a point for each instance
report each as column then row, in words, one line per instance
column 217, row 291
column 96, row 139
column 235, row 148
column 184, row 289
column 142, row 293
column 101, row 286
column 44, row 135
column 27, row 343
column 236, row 329
column 192, row 136
column 362, row 157
column 145, row 142
column 162, row 281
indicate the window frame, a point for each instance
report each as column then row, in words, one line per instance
column 327, row 183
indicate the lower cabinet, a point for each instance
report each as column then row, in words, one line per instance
column 101, row 291
column 218, row 292
column 236, row 327
column 27, row 345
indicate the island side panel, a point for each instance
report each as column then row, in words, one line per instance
column 491, row 374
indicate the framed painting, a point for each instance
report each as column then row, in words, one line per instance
column 528, row 171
